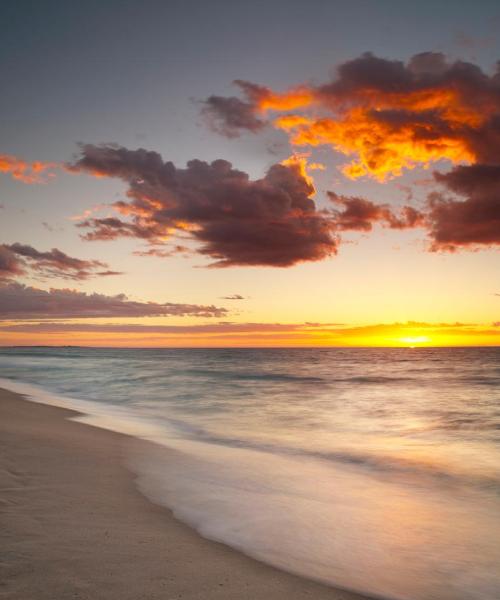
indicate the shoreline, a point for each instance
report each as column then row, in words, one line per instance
column 74, row 525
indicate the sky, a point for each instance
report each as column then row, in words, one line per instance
column 246, row 174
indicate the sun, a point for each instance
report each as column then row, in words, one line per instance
column 414, row 341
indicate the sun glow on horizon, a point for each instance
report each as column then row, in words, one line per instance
column 158, row 333
column 413, row 341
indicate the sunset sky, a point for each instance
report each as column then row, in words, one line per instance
column 250, row 173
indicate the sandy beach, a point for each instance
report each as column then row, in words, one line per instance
column 74, row 526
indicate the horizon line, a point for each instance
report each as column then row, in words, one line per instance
column 324, row 347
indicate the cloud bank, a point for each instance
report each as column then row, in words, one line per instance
column 251, row 334
column 385, row 115
column 18, row 301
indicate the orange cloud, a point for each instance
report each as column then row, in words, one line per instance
column 388, row 132
column 295, row 98
column 382, row 150
column 20, row 170
column 389, row 115
column 300, row 164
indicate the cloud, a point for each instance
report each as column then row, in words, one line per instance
column 471, row 223
column 108, row 272
column 237, row 221
column 111, row 228
column 10, row 265
column 51, row 228
column 390, row 115
column 23, row 302
column 233, row 297
column 230, row 115
column 162, row 252
column 360, row 214
column 212, row 328
column 18, row 259
column 20, row 170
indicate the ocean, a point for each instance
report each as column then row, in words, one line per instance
column 375, row 470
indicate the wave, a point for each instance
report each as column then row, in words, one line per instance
column 375, row 379
column 354, row 519
column 376, row 463
column 243, row 376
column 168, row 430
column 386, row 538
column 480, row 380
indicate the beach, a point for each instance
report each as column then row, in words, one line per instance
column 73, row 524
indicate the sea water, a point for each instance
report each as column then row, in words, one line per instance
column 376, row 470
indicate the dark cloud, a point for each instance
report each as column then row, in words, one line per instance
column 108, row 272
column 233, row 297
column 367, row 72
column 360, row 214
column 21, row 258
column 369, row 76
column 10, row 265
column 408, row 218
column 238, row 221
column 228, row 116
column 111, row 228
column 416, row 85
column 471, row 223
column 23, row 302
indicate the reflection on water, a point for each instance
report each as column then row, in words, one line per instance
column 373, row 469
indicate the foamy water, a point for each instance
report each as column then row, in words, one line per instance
column 374, row 470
